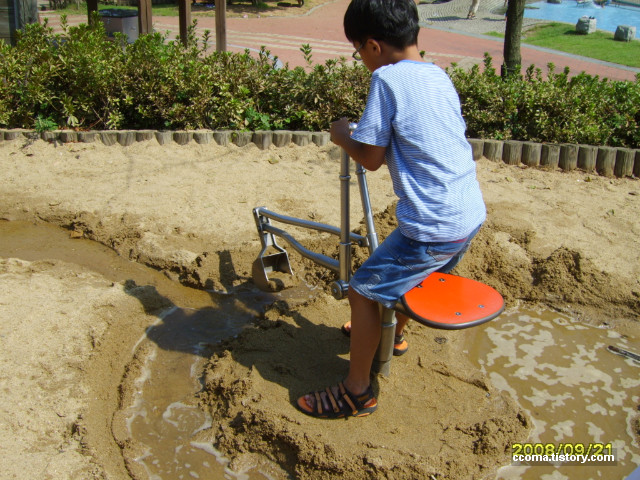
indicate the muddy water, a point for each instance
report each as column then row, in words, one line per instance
column 163, row 417
column 43, row 242
column 573, row 388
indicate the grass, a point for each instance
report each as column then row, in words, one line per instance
column 159, row 10
column 599, row 45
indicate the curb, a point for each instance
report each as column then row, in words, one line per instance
column 263, row 139
column 606, row 161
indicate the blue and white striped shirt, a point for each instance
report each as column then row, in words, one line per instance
column 414, row 110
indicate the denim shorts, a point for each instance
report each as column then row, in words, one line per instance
column 399, row 264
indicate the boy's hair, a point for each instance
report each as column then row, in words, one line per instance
column 394, row 22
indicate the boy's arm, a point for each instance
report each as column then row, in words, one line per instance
column 370, row 157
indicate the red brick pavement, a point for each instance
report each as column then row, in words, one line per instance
column 322, row 29
column 324, row 24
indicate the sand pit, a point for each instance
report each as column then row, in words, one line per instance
column 568, row 241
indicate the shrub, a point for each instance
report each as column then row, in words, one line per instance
column 549, row 108
column 81, row 79
column 69, row 78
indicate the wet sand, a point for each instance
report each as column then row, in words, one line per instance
column 70, row 352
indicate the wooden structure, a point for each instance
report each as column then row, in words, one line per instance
column 15, row 15
column 145, row 20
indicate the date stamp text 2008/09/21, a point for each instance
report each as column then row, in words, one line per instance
column 569, row 453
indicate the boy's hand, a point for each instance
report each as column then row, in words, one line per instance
column 340, row 131
column 370, row 157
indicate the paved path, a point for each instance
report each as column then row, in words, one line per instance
column 447, row 37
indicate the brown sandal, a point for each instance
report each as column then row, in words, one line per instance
column 345, row 404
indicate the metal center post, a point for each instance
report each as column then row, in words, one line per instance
column 384, row 353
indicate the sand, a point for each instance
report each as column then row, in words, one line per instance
column 568, row 241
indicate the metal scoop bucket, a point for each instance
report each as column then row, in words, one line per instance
column 267, row 264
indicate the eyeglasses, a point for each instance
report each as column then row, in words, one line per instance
column 356, row 54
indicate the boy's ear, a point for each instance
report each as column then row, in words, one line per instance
column 376, row 46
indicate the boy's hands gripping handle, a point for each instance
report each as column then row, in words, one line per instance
column 340, row 131
column 370, row 157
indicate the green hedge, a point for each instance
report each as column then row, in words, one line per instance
column 81, row 79
column 554, row 108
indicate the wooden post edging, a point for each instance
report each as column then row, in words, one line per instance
column 477, row 148
column 568, row 159
column 550, row 155
column 605, row 161
column 624, row 162
column 587, row 155
column 531, row 153
column 493, row 150
column 512, row 152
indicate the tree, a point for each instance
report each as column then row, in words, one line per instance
column 512, row 37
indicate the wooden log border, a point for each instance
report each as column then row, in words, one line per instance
column 606, row 161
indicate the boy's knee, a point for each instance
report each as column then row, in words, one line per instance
column 357, row 298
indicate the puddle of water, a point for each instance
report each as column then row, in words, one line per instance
column 163, row 417
column 34, row 242
column 572, row 387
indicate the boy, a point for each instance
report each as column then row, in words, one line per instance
column 413, row 123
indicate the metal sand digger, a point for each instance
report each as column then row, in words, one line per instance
column 441, row 301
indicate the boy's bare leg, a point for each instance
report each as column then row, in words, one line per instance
column 365, row 336
column 401, row 322
column 366, row 329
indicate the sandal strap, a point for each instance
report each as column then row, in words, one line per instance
column 347, row 398
column 319, row 405
column 332, row 399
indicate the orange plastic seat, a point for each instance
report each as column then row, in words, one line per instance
column 451, row 302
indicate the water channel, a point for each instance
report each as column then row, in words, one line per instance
column 573, row 388
column 607, row 18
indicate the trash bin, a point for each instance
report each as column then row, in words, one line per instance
column 120, row 20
